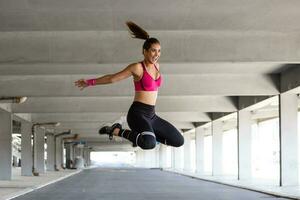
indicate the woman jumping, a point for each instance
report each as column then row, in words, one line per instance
column 146, row 127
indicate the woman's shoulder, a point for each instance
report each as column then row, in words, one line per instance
column 136, row 64
column 136, row 68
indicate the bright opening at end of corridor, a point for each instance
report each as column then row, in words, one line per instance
column 113, row 159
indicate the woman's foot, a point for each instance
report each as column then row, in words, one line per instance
column 111, row 130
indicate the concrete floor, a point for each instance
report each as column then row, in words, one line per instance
column 261, row 185
column 23, row 184
column 131, row 183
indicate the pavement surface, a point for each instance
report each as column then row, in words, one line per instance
column 138, row 184
column 23, row 184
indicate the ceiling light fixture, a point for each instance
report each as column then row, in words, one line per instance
column 18, row 100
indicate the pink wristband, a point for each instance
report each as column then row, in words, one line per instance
column 91, row 82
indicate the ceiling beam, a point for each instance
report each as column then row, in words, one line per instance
column 204, row 84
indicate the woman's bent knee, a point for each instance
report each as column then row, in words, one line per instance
column 146, row 140
column 148, row 144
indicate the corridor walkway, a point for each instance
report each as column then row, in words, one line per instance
column 24, row 184
column 138, row 184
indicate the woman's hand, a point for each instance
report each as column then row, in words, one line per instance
column 81, row 84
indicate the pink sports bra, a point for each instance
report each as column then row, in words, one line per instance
column 147, row 83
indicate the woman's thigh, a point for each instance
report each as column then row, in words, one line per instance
column 139, row 123
column 142, row 131
column 166, row 133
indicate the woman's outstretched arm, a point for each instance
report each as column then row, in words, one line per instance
column 107, row 79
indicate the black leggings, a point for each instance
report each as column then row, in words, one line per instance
column 147, row 128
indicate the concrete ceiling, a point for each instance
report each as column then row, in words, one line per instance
column 212, row 52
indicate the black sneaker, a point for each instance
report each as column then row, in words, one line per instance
column 109, row 130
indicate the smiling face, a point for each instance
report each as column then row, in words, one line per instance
column 152, row 54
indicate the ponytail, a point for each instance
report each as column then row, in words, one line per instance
column 137, row 32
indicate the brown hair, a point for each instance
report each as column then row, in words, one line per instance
column 138, row 32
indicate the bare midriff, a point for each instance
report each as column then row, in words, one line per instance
column 147, row 97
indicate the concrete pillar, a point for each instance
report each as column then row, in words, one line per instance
column 217, row 135
column 199, row 132
column 138, row 158
column 187, row 152
column 39, row 154
column 90, row 162
column 288, row 109
column 179, row 155
column 162, row 156
column 150, row 158
column 169, row 157
column 244, row 145
column 76, row 151
column 68, row 155
column 79, row 151
column 50, row 152
column 142, row 154
column 73, row 154
column 79, row 159
column 173, row 158
column 58, row 153
column 63, row 164
column 88, row 157
column 144, row 158
column 26, row 149
column 157, row 157
column 79, row 162
column 85, row 156
column 147, row 158
column 5, row 145
column 14, row 161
